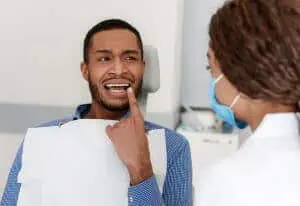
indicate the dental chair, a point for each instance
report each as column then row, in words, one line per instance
column 151, row 79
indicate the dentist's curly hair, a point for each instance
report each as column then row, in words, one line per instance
column 257, row 43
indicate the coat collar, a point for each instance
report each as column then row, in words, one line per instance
column 277, row 125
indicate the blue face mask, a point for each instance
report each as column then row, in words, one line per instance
column 224, row 112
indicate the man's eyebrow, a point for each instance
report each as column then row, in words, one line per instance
column 103, row 51
column 131, row 51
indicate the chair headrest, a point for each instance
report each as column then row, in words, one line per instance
column 151, row 79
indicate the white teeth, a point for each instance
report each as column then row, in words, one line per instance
column 117, row 85
column 117, row 90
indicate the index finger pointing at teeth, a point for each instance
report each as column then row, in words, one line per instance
column 134, row 108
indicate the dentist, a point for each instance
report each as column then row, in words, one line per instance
column 254, row 60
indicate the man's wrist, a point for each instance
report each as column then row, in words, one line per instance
column 140, row 174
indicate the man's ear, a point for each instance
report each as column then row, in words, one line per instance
column 144, row 66
column 84, row 70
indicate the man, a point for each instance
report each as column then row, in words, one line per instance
column 113, row 66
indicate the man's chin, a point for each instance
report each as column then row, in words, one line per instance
column 116, row 107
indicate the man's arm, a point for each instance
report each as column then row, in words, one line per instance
column 12, row 189
column 145, row 193
column 178, row 182
column 131, row 144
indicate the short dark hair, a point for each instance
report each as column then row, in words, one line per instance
column 106, row 25
column 257, row 43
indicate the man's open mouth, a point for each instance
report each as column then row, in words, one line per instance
column 117, row 87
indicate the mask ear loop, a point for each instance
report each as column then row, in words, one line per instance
column 235, row 100
column 219, row 78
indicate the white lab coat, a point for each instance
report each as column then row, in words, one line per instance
column 264, row 172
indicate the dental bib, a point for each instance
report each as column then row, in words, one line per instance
column 76, row 164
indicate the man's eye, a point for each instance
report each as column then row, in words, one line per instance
column 131, row 58
column 104, row 59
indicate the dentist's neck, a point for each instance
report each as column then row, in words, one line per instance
column 258, row 112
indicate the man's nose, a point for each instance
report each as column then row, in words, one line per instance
column 118, row 66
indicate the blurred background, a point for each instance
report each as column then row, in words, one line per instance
column 41, row 51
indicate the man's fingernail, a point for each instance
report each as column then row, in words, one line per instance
column 130, row 89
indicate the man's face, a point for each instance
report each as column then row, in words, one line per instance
column 114, row 64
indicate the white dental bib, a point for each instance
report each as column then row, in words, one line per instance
column 76, row 165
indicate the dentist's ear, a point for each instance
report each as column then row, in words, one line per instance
column 84, row 70
column 244, row 97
